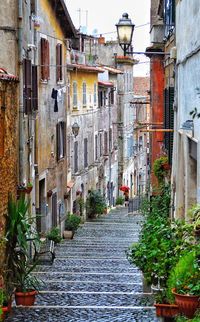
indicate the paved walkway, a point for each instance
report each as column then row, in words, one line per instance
column 91, row 279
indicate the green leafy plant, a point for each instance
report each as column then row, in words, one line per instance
column 72, row 222
column 183, row 318
column 185, row 276
column 55, row 235
column 159, row 170
column 18, row 233
column 119, row 200
column 160, row 243
column 95, row 203
column 81, row 204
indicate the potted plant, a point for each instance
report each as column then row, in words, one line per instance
column 29, row 187
column 55, row 235
column 71, row 225
column 194, row 214
column 119, row 201
column 18, row 233
column 184, row 281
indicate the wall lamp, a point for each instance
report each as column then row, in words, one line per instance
column 75, row 129
column 125, row 29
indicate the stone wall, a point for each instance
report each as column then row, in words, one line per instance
column 8, row 150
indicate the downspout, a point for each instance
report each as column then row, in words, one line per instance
column 20, row 62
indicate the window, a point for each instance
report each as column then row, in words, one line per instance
column 75, row 157
column 59, row 76
column 85, row 153
column 169, row 16
column 75, row 101
column 68, row 93
column 105, row 143
column 61, row 140
column 169, row 120
column 111, row 96
column 100, row 144
column 95, row 93
column 45, row 59
column 96, row 147
column 34, row 87
column 84, row 94
column 27, row 75
column 110, row 139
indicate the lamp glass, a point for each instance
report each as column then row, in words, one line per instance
column 125, row 34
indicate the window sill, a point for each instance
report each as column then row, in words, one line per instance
column 43, row 81
column 60, row 82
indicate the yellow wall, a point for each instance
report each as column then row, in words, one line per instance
column 90, row 79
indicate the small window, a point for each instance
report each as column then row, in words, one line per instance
column 105, row 143
column 45, row 59
column 59, row 75
column 95, row 93
column 96, row 147
column 75, row 100
column 84, row 94
column 75, row 157
column 61, row 140
column 85, row 153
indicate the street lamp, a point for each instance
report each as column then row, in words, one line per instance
column 125, row 29
column 75, row 129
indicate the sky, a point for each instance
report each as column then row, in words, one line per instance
column 104, row 14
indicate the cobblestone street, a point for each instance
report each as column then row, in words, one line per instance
column 91, row 279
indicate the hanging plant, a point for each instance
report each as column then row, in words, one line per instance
column 160, row 168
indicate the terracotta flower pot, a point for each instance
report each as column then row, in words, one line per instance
column 68, row 234
column 166, row 310
column 29, row 189
column 187, row 304
column 25, row 298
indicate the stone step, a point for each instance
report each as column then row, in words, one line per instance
column 134, row 277
column 87, row 269
column 90, row 286
column 83, row 314
column 97, row 299
column 89, row 253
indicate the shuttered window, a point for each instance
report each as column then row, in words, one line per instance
column 85, row 153
column 75, row 157
column 84, row 94
column 75, row 101
column 27, row 76
column 100, row 144
column 34, row 88
column 2, row 121
column 45, row 60
column 95, row 93
column 61, row 140
column 105, row 143
column 59, row 75
column 110, row 139
column 169, row 121
column 96, row 147
column 169, row 16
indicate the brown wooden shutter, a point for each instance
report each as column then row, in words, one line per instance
column 58, row 62
column 34, row 88
column 64, row 138
column 42, row 58
column 47, row 60
column 58, row 141
column 27, row 77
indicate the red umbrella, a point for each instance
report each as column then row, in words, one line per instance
column 124, row 188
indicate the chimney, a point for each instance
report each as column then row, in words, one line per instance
column 101, row 40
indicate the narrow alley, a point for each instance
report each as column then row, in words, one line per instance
column 91, row 279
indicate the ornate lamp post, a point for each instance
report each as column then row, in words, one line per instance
column 125, row 29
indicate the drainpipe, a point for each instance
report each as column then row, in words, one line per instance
column 20, row 62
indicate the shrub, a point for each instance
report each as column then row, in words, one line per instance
column 120, row 200
column 55, row 235
column 95, row 203
column 158, row 168
column 72, row 222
